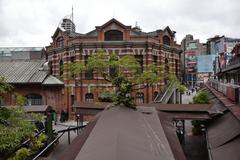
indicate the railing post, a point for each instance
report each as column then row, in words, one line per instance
column 69, row 137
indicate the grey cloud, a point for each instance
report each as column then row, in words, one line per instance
column 29, row 22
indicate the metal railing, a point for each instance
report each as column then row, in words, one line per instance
column 57, row 138
column 167, row 94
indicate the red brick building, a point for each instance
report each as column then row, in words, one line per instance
column 156, row 47
column 30, row 79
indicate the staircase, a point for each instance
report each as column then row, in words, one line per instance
column 164, row 98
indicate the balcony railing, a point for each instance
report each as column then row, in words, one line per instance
column 231, row 91
column 234, row 63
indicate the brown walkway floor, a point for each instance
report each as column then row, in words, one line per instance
column 195, row 148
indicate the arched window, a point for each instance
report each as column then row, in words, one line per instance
column 60, row 42
column 113, row 35
column 89, row 97
column 155, row 94
column 139, row 97
column 61, row 67
column 34, row 99
column 166, row 40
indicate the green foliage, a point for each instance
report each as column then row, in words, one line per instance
column 128, row 76
column 201, row 98
column 36, row 117
column 75, row 68
column 21, row 100
column 38, row 142
column 21, row 154
column 4, row 86
column 18, row 129
column 123, row 92
column 107, row 96
column 182, row 88
column 4, row 113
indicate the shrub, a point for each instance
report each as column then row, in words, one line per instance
column 201, row 98
column 21, row 154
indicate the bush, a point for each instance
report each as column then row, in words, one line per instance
column 21, row 154
column 201, row 98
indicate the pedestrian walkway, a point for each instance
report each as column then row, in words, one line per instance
column 195, row 146
column 63, row 141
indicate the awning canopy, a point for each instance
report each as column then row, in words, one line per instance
column 37, row 108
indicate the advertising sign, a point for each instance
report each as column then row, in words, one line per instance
column 205, row 63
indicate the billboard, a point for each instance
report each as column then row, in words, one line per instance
column 205, row 63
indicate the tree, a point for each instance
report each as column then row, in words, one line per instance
column 4, row 86
column 126, row 74
column 201, row 98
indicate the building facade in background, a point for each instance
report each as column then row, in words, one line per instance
column 192, row 48
column 221, row 47
column 68, row 25
column 230, row 73
column 26, row 69
column 21, row 53
column 156, row 47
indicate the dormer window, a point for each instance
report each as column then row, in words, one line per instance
column 166, row 40
column 113, row 35
column 60, row 42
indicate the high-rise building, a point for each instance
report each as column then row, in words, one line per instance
column 68, row 25
column 191, row 49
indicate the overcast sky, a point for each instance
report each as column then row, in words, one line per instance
column 33, row 22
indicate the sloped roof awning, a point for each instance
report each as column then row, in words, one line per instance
column 123, row 133
column 37, row 108
column 223, row 130
column 229, row 151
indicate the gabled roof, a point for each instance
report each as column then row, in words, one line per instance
column 113, row 20
column 56, row 32
column 22, row 72
column 169, row 31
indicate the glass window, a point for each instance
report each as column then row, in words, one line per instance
column 139, row 97
column 89, row 97
column 61, row 67
column 113, row 35
column 60, row 42
column 166, row 40
column 34, row 99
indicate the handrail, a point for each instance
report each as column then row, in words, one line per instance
column 159, row 96
column 168, row 90
column 62, row 133
column 48, row 146
column 168, row 93
column 71, row 129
